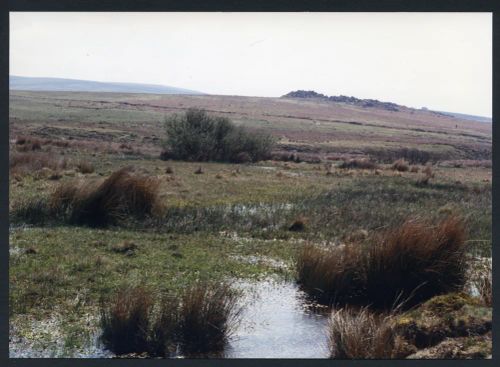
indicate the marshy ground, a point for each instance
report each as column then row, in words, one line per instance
column 244, row 223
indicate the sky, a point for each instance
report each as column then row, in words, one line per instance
column 442, row 61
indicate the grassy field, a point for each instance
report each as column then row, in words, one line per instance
column 233, row 221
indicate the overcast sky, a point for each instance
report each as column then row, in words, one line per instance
column 439, row 60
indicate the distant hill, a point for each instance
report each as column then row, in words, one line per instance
column 468, row 117
column 76, row 85
column 374, row 103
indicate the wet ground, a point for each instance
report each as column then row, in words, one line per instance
column 277, row 321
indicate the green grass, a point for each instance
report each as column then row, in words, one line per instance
column 230, row 222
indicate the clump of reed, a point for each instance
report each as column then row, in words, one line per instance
column 125, row 320
column 198, row 323
column 121, row 195
column 361, row 334
column 409, row 263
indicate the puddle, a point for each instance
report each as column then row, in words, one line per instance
column 278, row 322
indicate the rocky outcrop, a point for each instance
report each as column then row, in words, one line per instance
column 374, row 103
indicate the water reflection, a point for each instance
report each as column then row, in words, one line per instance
column 278, row 321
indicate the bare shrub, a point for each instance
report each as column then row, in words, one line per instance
column 199, row 136
column 414, row 169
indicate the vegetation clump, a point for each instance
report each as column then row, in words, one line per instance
column 400, row 165
column 125, row 320
column 358, row 163
column 31, row 162
column 409, row 264
column 355, row 334
column 198, row 136
column 121, row 195
column 198, row 322
column 432, row 330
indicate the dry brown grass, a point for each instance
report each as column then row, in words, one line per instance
column 428, row 171
column 361, row 334
column 121, row 195
column 198, row 323
column 416, row 261
column 164, row 330
column 330, row 275
column 481, row 279
column 85, row 167
column 359, row 164
column 208, row 316
column 400, row 165
column 31, row 162
column 414, row 169
column 125, row 320
column 409, row 263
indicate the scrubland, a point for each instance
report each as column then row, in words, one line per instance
column 389, row 224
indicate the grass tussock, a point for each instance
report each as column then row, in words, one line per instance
column 121, row 195
column 125, row 320
column 359, row 164
column 208, row 316
column 85, row 167
column 361, row 334
column 31, row 163
column 198, row 322
column 28, row 143
column 400, row 165
column 427, row 171
column 409, row 263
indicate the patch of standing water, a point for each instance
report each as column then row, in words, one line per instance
column 278, row 322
